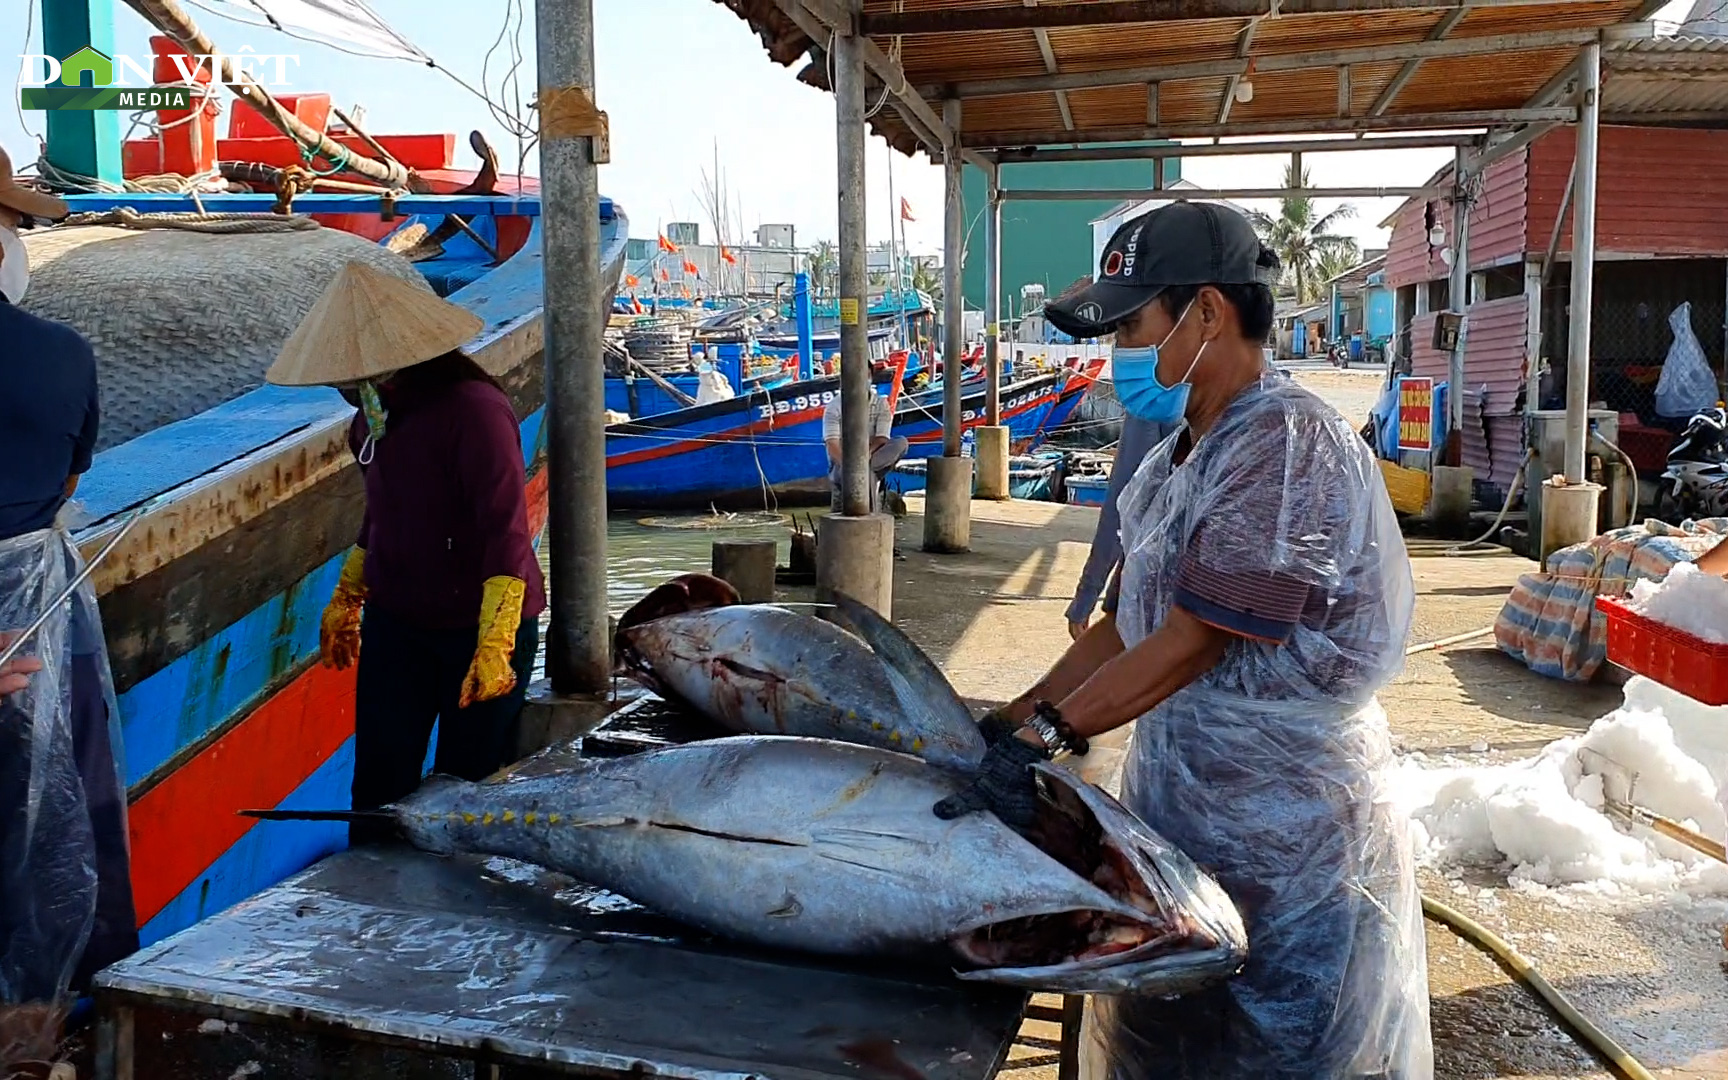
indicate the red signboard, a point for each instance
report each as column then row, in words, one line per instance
column 1415, row 413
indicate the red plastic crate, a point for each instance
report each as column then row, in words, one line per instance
column 1674, row 658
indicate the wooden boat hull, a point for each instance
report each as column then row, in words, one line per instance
column 211, row 608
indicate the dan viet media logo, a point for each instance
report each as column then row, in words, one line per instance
column 91, row 79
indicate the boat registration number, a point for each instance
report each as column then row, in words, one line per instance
column 1007, row 406
column 796, row 404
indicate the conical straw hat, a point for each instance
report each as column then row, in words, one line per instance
column 368, row 324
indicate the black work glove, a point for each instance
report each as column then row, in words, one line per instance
column 995, row 727
column 1005, row 785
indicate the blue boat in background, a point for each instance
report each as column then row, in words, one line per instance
column 765, row 448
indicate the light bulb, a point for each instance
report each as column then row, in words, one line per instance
column 1436, row 236
column 1446, row 256
column 1244, row 92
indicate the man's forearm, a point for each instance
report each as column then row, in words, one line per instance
column 1091, row 651
column 1134, row 682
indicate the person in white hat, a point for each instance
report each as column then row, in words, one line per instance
column 439, row 599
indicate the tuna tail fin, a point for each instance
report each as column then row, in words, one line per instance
column 320, row 815
column 918, row 683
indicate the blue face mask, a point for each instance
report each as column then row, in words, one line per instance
column 1135, row 371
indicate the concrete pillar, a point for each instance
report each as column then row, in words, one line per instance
column 855, row 555
column 748, row 566
column 948, row 505
column 578, row 646
column 1568, row 514
column 948, row 490
column 993, row 302
column 855, row 483
column 992, row 450
column 855, row 552
column 1583, row 267
column 1460, row 303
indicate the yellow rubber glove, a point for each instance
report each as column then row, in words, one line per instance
column 490, row 675
column 339, row 632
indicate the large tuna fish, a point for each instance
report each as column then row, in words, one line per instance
column 829, row 847
column 761, row 669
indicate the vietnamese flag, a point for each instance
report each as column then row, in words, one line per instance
column 665, row 275
column 690, row 268
column 668, row 246
column 630, row 281
column 728, row 256
column 906, row 210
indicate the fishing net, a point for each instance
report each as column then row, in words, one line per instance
column 718, row 520
column 186, row 314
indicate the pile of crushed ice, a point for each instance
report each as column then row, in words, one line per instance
column 1544, row 819
column 1687, row 599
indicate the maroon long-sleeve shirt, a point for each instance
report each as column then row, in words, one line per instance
column 445, row 505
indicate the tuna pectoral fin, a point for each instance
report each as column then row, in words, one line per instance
column 743, row 670
column 919, row 686
column 319, row 815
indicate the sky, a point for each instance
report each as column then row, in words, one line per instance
column 683, row 81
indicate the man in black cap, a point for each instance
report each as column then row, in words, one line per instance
column 1263, row 597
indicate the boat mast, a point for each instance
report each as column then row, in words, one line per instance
column 894, row 254
column 171, row 19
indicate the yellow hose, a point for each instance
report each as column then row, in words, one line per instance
column 1520, row 968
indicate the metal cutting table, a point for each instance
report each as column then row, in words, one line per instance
column 388, row 962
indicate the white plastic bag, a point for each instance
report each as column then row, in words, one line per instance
column 1687, row 384
column 712, row 386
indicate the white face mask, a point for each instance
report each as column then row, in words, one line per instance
column 14, row 266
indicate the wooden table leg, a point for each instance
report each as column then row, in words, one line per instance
column 1073, row 1010
column 114, row 1037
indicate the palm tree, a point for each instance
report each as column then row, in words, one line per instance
column 1335, row 261
column 927, row 279
column 822, row 265
column 1303, row 237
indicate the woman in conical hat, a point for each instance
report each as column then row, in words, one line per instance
column 439, row 599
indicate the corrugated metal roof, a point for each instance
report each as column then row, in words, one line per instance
column 1292, row 60
column 1667, row 77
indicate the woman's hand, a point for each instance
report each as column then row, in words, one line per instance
column 1077, row 628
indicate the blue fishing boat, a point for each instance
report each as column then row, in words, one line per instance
column 246, row 495
column 766, row 447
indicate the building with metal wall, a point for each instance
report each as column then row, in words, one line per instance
column 1046, row 243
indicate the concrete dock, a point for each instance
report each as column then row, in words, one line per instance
column 1654, row 978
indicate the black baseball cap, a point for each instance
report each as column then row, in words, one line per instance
column 1182, row 243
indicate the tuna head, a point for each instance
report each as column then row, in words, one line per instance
column 761, row 669
column 1174, row 928
column 829, row 847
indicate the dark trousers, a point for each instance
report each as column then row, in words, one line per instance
column 409, row 677
column 75, row 859
column 115, row 933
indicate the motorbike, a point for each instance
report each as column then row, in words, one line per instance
column 1694, row 483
